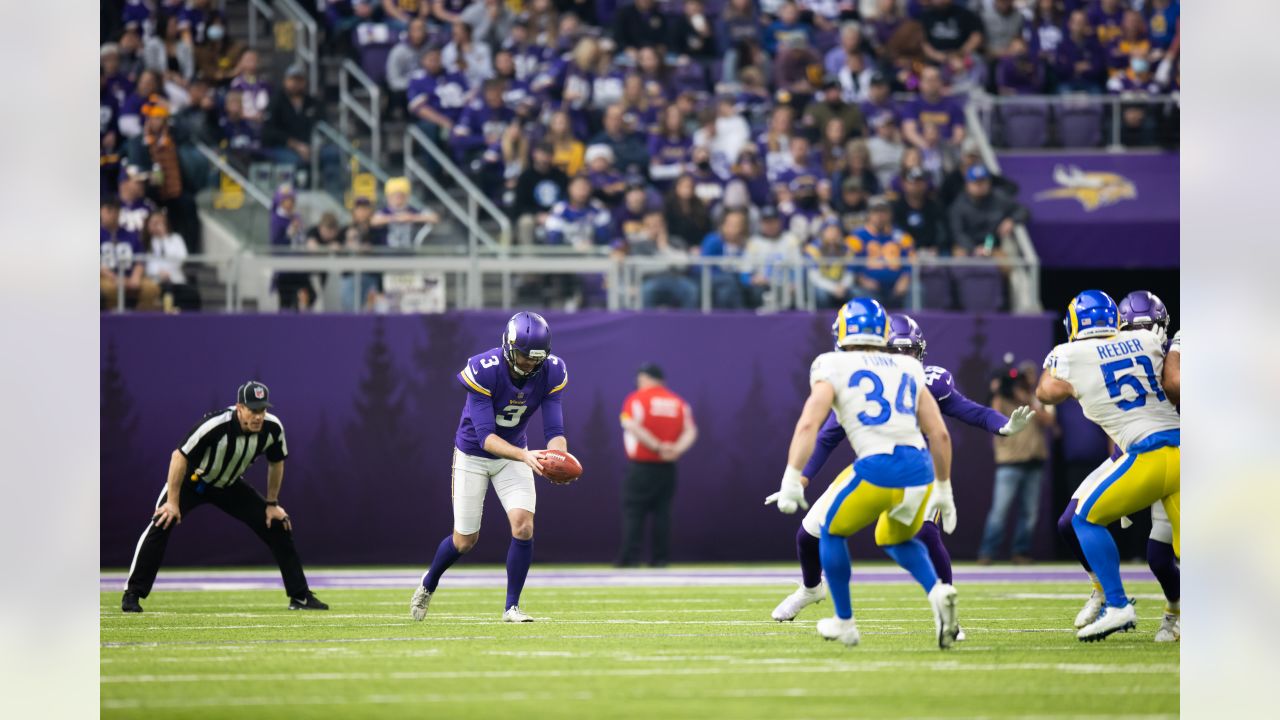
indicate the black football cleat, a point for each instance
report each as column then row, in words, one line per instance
column 307, row 602
column 129, row 603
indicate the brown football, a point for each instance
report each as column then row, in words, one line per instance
column 560, row 467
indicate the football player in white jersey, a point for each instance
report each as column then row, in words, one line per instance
column 881, row 400
column 1116, row 377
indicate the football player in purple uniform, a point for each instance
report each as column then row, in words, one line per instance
column 906, row 337
column 1141, row 310
column 505, row 386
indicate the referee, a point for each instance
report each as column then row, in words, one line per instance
column 657, row 429
column 209, row 468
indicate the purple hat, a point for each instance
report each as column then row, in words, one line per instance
column 528, row 334
column 905, row 336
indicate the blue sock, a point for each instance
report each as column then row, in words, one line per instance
column 914, row 558
column 1103, row 556
column 446, row 556
column 519, row 558
column 835, row 563
column 808, row 550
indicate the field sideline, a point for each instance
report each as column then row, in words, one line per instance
column 691, row 641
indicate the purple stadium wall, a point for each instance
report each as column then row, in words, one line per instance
column 370, row 405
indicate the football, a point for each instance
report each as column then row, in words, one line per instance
column 560, row 467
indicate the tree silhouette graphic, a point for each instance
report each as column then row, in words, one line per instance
column 117, row 453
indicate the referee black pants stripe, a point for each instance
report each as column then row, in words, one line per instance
column 241, row 501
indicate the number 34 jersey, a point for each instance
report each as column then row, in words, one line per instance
column 876, row 394
column 487, row 375
column 1117, row 381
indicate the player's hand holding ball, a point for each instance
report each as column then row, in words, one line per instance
column 559, row 466
column 943, row 503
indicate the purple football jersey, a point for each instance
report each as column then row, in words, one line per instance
column 488, row 375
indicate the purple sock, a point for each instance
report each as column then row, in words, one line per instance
column 809, row 550
column 1068, row 533
column 938, row 554
column 446, row 556
column 1164, row 565
column 519, row 558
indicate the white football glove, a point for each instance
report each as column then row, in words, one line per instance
column 790, row 495
column 1020, row 418
column 942, row 502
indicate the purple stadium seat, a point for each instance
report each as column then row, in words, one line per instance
column 1025, row 126
column 1079, row 124
column 935, row 288
column 980, row 289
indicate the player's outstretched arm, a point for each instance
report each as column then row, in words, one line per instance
column 1171, row 377
column 941, row 500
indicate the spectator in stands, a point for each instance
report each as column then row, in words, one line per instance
column 855, row 78
column 397, row 222
column 883, row 25
column 738, row 32
column 465, row 55
column 568, row 153
column 982, row 220
column 769, row 250
column 707, row 185
column 638, row 25
column 1080, row 62
column 888, row 252
column 831, row 147
column 171, row 55
column 285, row 231
column 1137, row 120
column 688, row 218
column 953, row 34
column 670, row 287
column 114, row 83
column 1018, row 73
column 193, row 20
column 121, row 261
column 1106, row 17
column 254, row 88
column 831, row 274
column 691, row 33
column 580, row 221
column 1162, row 26
column 166, row 252
column 639, row 113
column 133, row 207
column 837, row 58
column 669, row 148
column 481, row 125
column 850, row 201
column 436, row 96
column 786, row 32
column 490, row 21
column 607, row 183
column 399, row 14
column 1001, row 23
column 131, row 52
column 857, row 164
column 406, row 57
column 326, row 235
column 286, row 130
column 830, row 104
column 917, row 213
column 879, row 99
column 359, row 237
column 884, row 149
column 1132, row 42
column 198, row 121
column 748, row 176
column 727, row 290
column 1045, row 33
column 155, row 148
column 933, row 108
column 954, row 182
column 136, row 15
column 538, row 189
column 131, row 119
column 219, row 54
column 629, row 151
column 238, row 137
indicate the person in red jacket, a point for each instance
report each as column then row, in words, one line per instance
column 657, row 429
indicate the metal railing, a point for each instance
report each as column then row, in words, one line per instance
column 476, row 200
column 258, row 8
column 349, row 104
column 989, row 107
column 307, row 41
column 219, row 162
column 228, row 268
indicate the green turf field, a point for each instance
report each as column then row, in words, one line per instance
column 620, row 652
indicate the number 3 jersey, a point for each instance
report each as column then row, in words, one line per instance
column 487, row 377
column 876, row 396
column 1117, row 381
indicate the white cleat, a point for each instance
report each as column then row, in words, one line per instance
column 802, row 598
column 1170, row 628
column 943, row 599
column 960, row 636
column 418, row 605
column 1112, row 620
column 1092, row 608
column 515, row 614
column 833, row 628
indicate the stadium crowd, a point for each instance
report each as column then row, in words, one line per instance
column 768, row 130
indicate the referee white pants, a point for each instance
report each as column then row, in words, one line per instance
column 512, row 480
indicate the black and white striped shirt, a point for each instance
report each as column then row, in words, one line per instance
column 219, row 451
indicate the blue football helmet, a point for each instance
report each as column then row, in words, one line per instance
column 1091, row 314
column 527, row 333
column 862, row 321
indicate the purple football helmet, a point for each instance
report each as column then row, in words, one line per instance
column 528, row 336
column 1141, row 309
column 906, row 337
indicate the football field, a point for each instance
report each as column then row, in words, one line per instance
column 686, row 642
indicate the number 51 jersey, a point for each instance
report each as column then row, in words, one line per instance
column 876, row 394
column 487, row 375
column 1117, row 381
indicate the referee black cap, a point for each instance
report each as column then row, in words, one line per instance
column 652, row 370
column 255, row 395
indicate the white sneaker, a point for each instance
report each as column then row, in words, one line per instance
column 418, row 605
column 960, row 636
column 515, row 614
column 943, row 599
column 833, row 628
column 1112, row 620
column 1092, row 608
column 802, row 598
column 1170, row 628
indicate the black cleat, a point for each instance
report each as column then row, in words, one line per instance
column 129, row 603
column 307, row 602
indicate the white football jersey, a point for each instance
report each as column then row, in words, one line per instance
column 1117, row 381
column 876, row 394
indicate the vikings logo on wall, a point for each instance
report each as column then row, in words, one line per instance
column 1092, row 189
